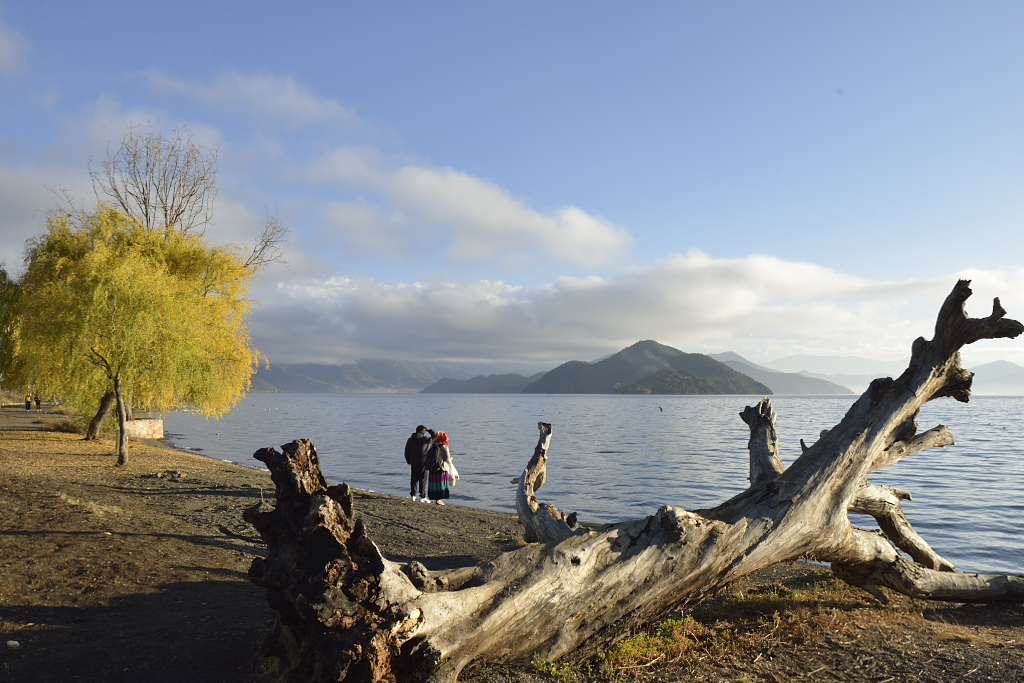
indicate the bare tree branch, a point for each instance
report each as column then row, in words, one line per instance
column 163, row 182
column 268, row 246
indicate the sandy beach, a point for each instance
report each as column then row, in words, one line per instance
column 139, row 574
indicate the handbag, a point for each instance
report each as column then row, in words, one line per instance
column 453, row 472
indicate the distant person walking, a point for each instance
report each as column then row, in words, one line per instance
column 417, row 447
column 441, row 467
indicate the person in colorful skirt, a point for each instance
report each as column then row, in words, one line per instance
column 441, row 465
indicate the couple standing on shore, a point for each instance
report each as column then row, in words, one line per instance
column 432, row 469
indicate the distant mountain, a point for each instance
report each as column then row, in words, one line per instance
column 361, row 376
column 998, row 377
column 647, row 367
column 511, row 383
column 853, row 372
column 780, row 382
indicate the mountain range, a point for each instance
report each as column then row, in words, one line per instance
column 780, row 382
column 998, row 377
column 364, row 376
column 995, row 378
column 645, row 367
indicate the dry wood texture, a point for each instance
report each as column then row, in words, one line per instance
column 347, row 613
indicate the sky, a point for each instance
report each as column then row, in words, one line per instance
column 526, row 183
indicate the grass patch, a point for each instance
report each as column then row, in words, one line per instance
column 668, row 642
column 762, row 601
column 564, row 673
column 749, row 624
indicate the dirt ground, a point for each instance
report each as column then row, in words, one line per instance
column 139, row 574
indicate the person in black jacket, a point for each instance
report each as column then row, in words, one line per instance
column 416, row 449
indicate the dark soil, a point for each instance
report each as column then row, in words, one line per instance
column 139, row 574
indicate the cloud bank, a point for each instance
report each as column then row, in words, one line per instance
column 760, row 306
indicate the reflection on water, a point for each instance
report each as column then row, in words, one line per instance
column 619, row 456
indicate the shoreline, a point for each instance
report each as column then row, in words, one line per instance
column 139, row 573
column 167, row 443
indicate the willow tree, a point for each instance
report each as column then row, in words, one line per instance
column 107, row 305
column 168, row 184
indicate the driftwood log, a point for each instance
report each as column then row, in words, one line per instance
column 347, row 613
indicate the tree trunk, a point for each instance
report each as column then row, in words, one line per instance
column 93, row 432
column 347, row 613
column 122, row 424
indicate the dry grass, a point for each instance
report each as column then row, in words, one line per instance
column 945, row 628
column 94, row 459
column 745, row 631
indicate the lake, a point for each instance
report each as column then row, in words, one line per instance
column 615, row 457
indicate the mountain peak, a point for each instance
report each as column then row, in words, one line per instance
column 648, row 345
column 647, row 367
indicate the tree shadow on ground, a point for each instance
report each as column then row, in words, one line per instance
column 243, row 544
column 195, row 631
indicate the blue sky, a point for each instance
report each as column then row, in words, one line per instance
column 452, row 171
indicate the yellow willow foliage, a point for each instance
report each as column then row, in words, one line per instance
column 164, row 311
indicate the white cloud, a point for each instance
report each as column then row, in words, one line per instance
column 13, row 48
column 277, row 97
column 477, row 219
column 762, row 307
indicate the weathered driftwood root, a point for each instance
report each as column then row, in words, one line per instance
column 881, row 502
column 765, row 463
column 543, row 522
column 346, row 613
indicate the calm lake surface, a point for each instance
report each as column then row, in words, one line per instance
column 616, row 457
